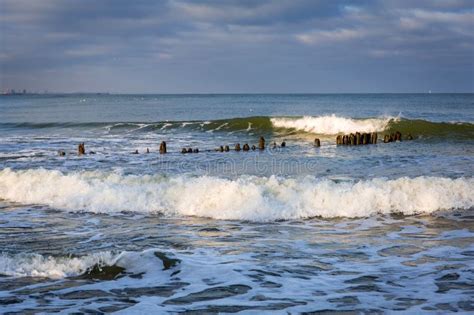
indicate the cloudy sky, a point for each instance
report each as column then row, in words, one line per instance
column 184, row 46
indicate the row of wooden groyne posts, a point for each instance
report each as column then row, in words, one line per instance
column 348, row 139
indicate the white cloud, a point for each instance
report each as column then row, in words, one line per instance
column 338, row 35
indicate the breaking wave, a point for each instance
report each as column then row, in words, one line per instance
column 36, row 265
column 88, row 265
column 244, row 198
column 324, row 125
column 331, row 125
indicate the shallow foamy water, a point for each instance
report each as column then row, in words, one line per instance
column 416, row 263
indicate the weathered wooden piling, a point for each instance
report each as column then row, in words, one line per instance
column 357, row 138
column 386, row 139
column 81, row 149
column 398, row 136
column 184, row 150
column 339, row 140
column 196, row 150
column 147, row 150
column 226, row 148
column 283, row 144
column 352, row 140
column 162, row 147
column 254, row 147
column 237, row 147
column 136, row 152
column 345, row 140
column 261, row 143
column 317, row 143
column 373, row 138
column 246, row 147
column 190, row 150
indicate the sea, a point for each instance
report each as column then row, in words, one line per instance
column 294, row 228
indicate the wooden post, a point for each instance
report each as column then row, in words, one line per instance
column 373, row 138
column 163, row 147
column 339, row 140
column 317, row 143
column 352, row 139
column 398, row 136
column 237, row 147
column 81, row 149
column 261, row 143
column 246, row 147
column 345, row 139
column 357, row 140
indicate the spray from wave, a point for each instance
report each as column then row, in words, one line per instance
column 36, row 265
column 57, row 267
column 333, row 124
column 244, row 198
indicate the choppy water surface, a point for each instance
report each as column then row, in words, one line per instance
column 375, row 228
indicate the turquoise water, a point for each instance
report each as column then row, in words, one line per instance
column 379, row 227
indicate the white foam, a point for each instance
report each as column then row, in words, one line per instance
column 245, row 198
column 36, row 265
column 332, row 124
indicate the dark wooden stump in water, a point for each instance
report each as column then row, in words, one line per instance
column 398, row 136
column 261, row 143
column 184, row 150
column 345, row 139
column 226, row 148
column 386, row 139
column 339, row 140
column 357, row 138
column 237, row 147
column 373, row 138
column 254, row 147
column 317, row 143
column 246, row 147
column 283, row 144
column 352, row 140
column 81, row 149
column 162, row 147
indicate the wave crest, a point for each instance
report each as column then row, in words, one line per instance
column 36, row 265
column 333, row 124
column 245, row 198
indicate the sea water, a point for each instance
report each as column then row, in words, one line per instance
column 370, row 228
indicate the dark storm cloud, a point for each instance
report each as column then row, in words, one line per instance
column 232, row 46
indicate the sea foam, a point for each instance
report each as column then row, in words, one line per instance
column 244, row 198
column 332, row 124
column 36, row 265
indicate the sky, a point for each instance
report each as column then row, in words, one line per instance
column 246, row 46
